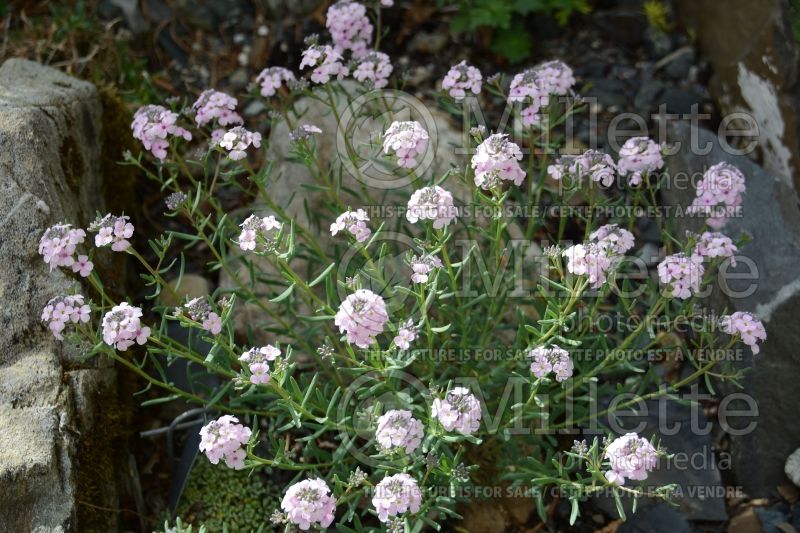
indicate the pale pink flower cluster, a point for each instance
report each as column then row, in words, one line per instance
column 458, row 411
column 326, row 62
column 406, row 140
column 62, row 310
column 223, row 438
column 261, row 232
column 303, row 132
column 271, row 79
column 152, row 124
column 712, row 244
column 614, row 239
column 591, row 260
column 198, row 310
column 396, row 495
column 58, row 244
column 355, row 222
column 362, row 316
column 747, row 326
column 398, row 430
column 719, row 194
column 112, row 230
column 406, row 335
column 630, row 457
column 431, row 203
column 373, row 69
column 554, row 359
column 597, row 165
column 535, row 86
column 122, row 327
column 215, row 105
column 237, row 140
column 257, row 360
column 309, row 502
column 680, row 275
column 423, row 266
column 497, row 159
column 349, row 26
column 462, row 78
column 639, row 155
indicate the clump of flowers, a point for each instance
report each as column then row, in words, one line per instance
column 422, row 266
column 396, row 495
column 237, row 140
column 259, row 232
column 325, row 61
column 749, row 328
column 598, row 166
column 431, row 203
column 406, row 335
column 175, row 200
column 630, row 457
column 198, row 310
column 458, row 411
column 272, row 79
column 534, row 87
column 591, row 260
column 223, row 438
column 304, row 132
column 112, row 230
column 309, row 502
column 398, row 430
column 719, row 194
column 355, row 222
column 681, row 275
column 373, row 69
column 258, row 360
column 405, row 140
column 58, row 244
column 554, row 359
column 462, row 78
column 612, row 238
column 349, row 26
column 152, row 124
column 639, row 156
column 122, row 327
column 711, row 244
column 216, row 106
column 496, row 160
column 362, row 317
column 63, row 310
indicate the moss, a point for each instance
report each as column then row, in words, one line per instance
column 119, row 181
column 72, row 164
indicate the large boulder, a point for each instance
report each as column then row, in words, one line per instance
column 765, row 282
column 50, row 401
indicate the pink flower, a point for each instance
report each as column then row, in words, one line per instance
column 535, row 86
column 431, row 203
column 309, row 502
column 258, row 360
column 355, row 222
column 57, row 245
column 719, row 194
column 712, row 244
column 598, row 166
column 223, row 438
column 680, row 275
column 152, row 124
column 396, row 495
column 271, row 79
column 326, row 62
column 406, row 141
column 422, row 266
column 459, row 411
column 589, row 260
column 304, row 131
column 122, row 327
column 497, row 159
column 237, row 140
column 373, row 69
column 259, row 232
column 349, row 26
column 112, row 230
column 747, row 326
column 462, row 78
column 398, row 430
column 214, row 105
column 83, row 266
column 630, row 456
column 406, row 335
column 612, row 238
column 63, row 310
column 362, row 317
column 639, row 155
column 554, row 359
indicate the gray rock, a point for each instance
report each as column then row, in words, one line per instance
column 49, row 172
column 660, row 518
column 771, row 216
column 609, row 93
column 647, row 97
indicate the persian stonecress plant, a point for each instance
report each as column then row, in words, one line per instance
column 376, row 350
